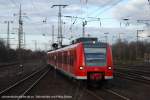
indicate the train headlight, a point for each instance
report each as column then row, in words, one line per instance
column 94, row 42
column 109, row 68
column 81, row 67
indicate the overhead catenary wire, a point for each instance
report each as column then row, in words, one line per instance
column 75, row 21
column 109, row 7
column 114, row 4
column 97, row 9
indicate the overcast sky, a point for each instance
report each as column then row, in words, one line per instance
column 110, row 12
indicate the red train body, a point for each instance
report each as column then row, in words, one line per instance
column 82, row 61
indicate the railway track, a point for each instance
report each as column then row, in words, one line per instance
column 99, row 93
column 53, row 85
column 106, row 94
column 8, row 65
column 135, row 74
column 136, row 70
column 133, row 77
column 25, row 85
column 18, row 90
column 141, row 68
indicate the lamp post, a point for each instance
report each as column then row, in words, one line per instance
column 8, row 32
column 106, row 37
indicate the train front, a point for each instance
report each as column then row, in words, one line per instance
column 98, row 61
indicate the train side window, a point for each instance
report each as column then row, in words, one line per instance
column 50, row 56
column 58, row 57
column 74, row 56
column 62, row 57
column 65, row 57
column 71, row 59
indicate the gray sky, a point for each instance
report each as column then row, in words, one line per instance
column 111, row 13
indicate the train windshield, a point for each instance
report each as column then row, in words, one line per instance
column 95, row 56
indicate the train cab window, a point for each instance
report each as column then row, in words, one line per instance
column 95, row 56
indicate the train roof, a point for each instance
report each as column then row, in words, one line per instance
column 87, row 43
column 67, row 47
column 85, row 39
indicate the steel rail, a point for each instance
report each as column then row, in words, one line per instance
column 33, row 85
column 134, row 77
column 94, row 94
column 19, row 82
column 8, row 65
column 131, row 69
column 117, row 94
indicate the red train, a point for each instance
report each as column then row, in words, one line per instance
column 86, row 59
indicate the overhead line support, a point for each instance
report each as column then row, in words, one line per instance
column 60, row 37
